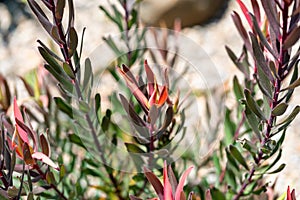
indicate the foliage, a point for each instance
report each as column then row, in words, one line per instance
column 77, row 156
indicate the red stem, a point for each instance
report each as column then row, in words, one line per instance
column 274, row 102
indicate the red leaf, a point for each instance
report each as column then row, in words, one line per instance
column 181, row 183
column 155, row 182
column 163, row 96
column 167, row 186
column 44, row 145
column 133, row 86
column 246, row 12
column 27, row 155
column 45, row 159
column 150, row 78
column 18, row 115
column 256, row 10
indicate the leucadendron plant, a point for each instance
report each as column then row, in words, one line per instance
column 78, row 156
column 256, row 127
column 91, row 128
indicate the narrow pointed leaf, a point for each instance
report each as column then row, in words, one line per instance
column 130, row 111
column 28, row 158
column 150, row 78
column 172, row 179
column 279, row 109
column 64, row 107
column 291, row 117
column 73, row 41
column 260, row 58
column 59, row 9
column 238, row 156
column 167, row 185
column 279, row 169
column 293, row 85
column 253, row 105
column 69, row 71
column 270, row 10
column 45, row 159
column 132, row 148
column 262, row 37
column 45, row 145
column 181, row 183
column 18, row 116
column 155, row 182
column 39, row 13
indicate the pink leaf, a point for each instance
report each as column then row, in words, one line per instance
column 18, row 116
column 246, row 12
column 167, row 186
column 45, row 159
column 181, row 183
column 133, row 86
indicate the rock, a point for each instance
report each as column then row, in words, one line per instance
column 191, row 12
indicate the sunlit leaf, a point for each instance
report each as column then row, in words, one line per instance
column 45, row 159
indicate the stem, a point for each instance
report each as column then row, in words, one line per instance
column 64, row 50
column 51, row 185
column 127, row 38
column 272, row 118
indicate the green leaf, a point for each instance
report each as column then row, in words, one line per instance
column 291, row 117
column 279, row 169
column 132, row 148
column 88, row 74
column 249, row 147
column 12, row 192
column 62, row 172
column 217, row 164
column 50, row 178
column 84, row 106
column 73, row 41
column 69, row 71
column 64, row 107
column 293, row 85
column 242, row 66
column 106, row 120
column 76, row 140
column 231, row 160
column 30, row 196
column 253, row 105
column 217, row 194
column 293, row 79
column 238, row 156
column 260, row 58
column 280, row 109
column 56, row 70
column 98, row 106
column 59, row 9
column 237, row 88
column 229, row 127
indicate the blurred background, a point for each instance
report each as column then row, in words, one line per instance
column 207, row 23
